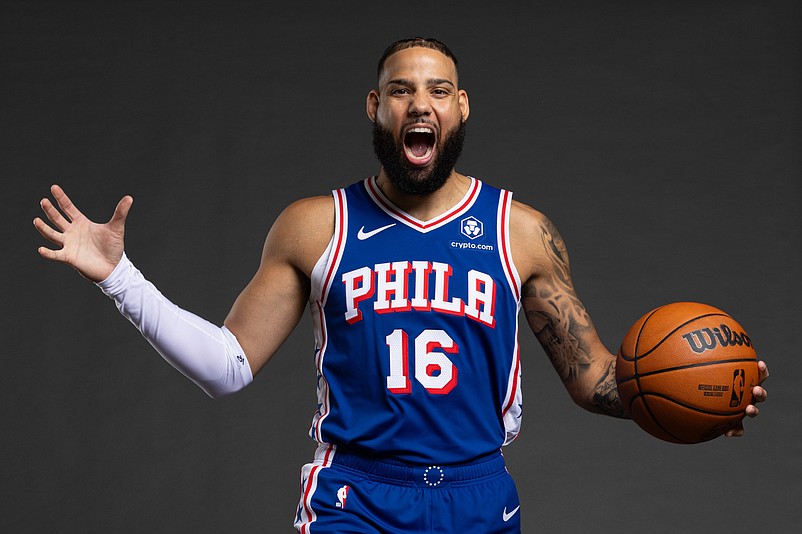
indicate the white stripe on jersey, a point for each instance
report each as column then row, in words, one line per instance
column 513, row 405
column 322, row 276
column 423, row 226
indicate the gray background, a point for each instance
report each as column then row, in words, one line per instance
column 663, row 139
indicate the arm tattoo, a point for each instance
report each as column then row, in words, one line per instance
column 555, row 313
column 605, row 395
column 562, row 324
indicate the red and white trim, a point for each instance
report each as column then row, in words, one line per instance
column 505, row 250
column 309, row 475
column 322, row 279
column 511, row 413
column 513, row 406
column 337, row 244
column 423, row 226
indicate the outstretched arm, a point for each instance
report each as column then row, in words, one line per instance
column 562, row 324
column 558, row 318
column 208, row 355
column 213, row 357
column 270, row 306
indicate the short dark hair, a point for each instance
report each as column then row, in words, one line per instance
column 413, row 42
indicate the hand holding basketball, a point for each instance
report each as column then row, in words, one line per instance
column 688, row 373
column 758, row 395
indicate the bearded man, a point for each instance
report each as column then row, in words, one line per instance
column 414, row 279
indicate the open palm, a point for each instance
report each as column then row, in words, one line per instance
column 93, row 249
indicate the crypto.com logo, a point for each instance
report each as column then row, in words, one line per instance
column 471, row 227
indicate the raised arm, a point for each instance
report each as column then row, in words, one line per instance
column 220, row 360
column 558, row 318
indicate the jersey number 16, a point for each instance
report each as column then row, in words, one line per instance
column 433, row 370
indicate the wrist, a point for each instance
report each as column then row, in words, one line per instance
column 119, row 278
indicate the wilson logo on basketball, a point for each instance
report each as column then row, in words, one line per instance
column 708, row 339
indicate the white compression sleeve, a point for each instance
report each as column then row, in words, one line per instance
column 207, row 354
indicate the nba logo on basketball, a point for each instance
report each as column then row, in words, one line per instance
column 738, row 381
column 342, row 495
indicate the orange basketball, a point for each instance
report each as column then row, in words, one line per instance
column 685, row 372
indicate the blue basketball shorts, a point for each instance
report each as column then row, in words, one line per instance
column 345, row 492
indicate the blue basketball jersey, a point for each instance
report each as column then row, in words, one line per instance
column 416, row 328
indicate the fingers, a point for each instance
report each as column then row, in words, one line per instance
column 736, row 432
column 759, row 394
column 752, row 411
column 48, row 254
column 64, row 202
column 763, row 371
column 53, row 214
column 57, row 238
column 117, row 222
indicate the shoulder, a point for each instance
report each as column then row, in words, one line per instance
column 308, row 212
column 535, row 241
column 302, row 232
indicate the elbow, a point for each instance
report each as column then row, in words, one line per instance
column 601, row 399
column 585, row 400
column 583, row 397
column 217, row 390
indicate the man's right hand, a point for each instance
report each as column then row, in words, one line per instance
column 93, row 249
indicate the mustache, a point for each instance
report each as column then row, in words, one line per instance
column 390, row 153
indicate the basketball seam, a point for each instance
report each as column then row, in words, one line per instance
column 635, row 365
column 635, row 356
column 688, row 366
column 635, row 359
column 688, row 406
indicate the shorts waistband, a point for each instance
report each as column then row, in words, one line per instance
column 432, row 476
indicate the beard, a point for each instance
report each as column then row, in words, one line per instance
column 408, row 178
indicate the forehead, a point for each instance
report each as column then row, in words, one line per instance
column 418, row 64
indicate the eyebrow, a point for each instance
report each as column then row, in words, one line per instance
column 430, row 82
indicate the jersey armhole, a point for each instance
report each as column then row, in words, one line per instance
column 505, row 250
column 326, row 265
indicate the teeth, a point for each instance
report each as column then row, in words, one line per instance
column 421, row 130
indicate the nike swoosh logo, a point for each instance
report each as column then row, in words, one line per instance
column 362, row 234
column 508, row 516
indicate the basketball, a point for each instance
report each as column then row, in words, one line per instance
column 685, row 372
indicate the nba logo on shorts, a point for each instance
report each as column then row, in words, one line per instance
column 471, row 227
column 342, row 495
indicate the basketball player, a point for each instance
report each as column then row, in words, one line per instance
column 414, row 279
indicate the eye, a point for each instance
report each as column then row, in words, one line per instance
column 399, row 91
column 440, row 92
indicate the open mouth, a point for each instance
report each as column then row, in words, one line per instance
column 419, row 145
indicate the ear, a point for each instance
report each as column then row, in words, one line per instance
column 372, row 105
column 464, row 106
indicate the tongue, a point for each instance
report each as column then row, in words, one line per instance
column 418, row 144
column 419, row 149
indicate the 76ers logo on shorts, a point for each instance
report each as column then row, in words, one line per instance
column 471, row 227
column 342, row 495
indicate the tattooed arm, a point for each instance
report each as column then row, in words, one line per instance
column 557, row 316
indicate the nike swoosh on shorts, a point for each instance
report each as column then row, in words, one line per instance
column 508, row 516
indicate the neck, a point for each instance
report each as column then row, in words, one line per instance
column 428, row 206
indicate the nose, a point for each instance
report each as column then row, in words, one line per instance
column 419, row 105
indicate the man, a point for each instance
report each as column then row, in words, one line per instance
column 414, row 279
